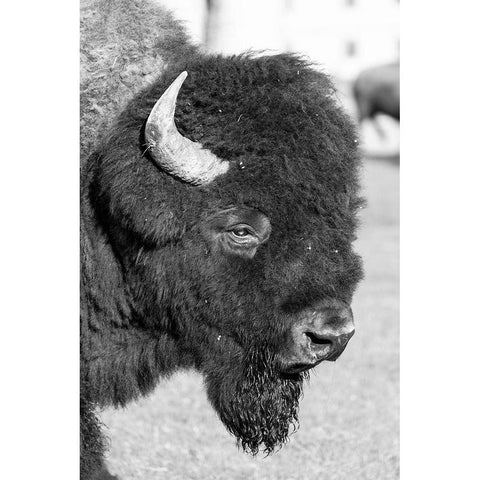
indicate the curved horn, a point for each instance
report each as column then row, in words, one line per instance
column 174, row 153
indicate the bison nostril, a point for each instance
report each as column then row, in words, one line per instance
column 318, row 340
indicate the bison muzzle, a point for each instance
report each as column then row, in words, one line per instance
column 321, row 333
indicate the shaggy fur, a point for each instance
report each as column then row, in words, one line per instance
column 158, row 294
column 125, row 44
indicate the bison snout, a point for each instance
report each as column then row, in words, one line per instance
column 320, row 334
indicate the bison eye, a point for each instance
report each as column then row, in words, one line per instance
column 240, row 232
column 237, row 231
column 243, row 235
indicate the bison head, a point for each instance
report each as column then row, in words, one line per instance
column 231, row 209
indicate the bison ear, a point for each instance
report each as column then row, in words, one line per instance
column 174, row 153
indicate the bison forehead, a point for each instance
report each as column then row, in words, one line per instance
column 267, row 108
column 275, row 119
column 293, row 151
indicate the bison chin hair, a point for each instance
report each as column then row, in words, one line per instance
column 255, row 402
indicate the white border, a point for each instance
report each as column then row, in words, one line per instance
column 39, row 239
column 439, row 243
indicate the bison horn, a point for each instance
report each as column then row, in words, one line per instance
column 174, row 153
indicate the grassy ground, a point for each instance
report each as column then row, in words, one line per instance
column 349, row 414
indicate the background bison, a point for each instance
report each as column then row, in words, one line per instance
column 377, row 90
column 245, row 274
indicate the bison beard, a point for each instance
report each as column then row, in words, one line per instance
column 254, row 401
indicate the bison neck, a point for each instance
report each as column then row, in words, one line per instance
column 120, row 360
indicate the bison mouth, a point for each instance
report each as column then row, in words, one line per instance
column 255, row 401
column 292, row 371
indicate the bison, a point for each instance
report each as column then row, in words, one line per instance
column 377, row 90
column 218, row 211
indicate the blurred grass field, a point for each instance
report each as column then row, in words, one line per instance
column 349, row 416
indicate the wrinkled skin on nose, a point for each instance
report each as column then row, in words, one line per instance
column 321, row 333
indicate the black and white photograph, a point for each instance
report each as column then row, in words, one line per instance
column 239, row 202
column 223, row 260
